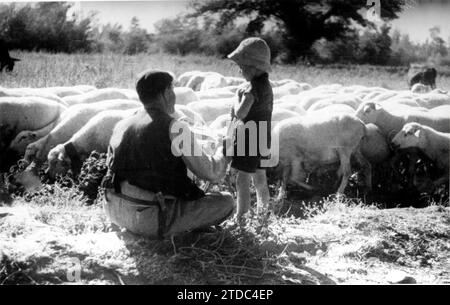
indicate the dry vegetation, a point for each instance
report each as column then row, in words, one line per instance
column 335, row 240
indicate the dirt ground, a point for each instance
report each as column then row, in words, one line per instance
column 340, row 243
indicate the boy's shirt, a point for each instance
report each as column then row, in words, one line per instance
column 261, row 91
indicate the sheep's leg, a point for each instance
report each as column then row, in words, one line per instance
column 367, row 169
column 413, row 158
column 282, row 189
column 443, row 179
column 345, row 169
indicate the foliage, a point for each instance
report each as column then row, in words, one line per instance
column 302, row 22
column 44, row 26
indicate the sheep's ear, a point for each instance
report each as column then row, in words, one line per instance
column 61, row 157
column 369, row 107
column 417, row 133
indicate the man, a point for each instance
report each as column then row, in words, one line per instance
column 148, row 190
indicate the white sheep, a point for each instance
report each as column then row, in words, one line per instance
column 309, row 142
column 374, row 146
column 71, row 121
column 333, row 108
column 185, row 95
column 94, row 136
column 215, row 93
column 211, row 109
column 435, row 144
column 340, row 99
column 184, row 78
column 29, row 92
column 290, row 106
column 420, row 88
column 390, row 122
column 100, row 95
column 28, row 113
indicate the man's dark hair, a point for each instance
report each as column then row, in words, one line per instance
column 151, row 83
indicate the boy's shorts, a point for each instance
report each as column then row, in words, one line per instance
column 249, row 163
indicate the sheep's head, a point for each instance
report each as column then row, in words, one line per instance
column 22, row 140
column 420, row 88
column 32, row 151
column 58, row 162
column 368, row 112
column 411, row 135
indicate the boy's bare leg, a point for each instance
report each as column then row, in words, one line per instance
column 243, row 193
column 262, row 190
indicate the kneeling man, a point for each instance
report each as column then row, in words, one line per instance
column 148, row 190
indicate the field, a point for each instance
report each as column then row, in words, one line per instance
column 56, row 238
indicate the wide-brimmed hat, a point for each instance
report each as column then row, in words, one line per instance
column 253, row 52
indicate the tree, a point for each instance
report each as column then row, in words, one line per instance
column 136, row 41
column 438, row 47
column 44, row 25
column 303, row 21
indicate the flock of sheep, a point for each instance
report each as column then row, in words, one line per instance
column 317, row 127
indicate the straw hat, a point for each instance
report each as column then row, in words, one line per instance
column 253, row 52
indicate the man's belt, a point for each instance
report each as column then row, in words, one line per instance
column 160, row 202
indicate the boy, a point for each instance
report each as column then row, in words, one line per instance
column 252, row 108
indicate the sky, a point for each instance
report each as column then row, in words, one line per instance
column 416, row 20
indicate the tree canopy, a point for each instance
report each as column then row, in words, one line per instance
column 303, row 22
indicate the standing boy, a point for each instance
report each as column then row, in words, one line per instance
column 252, row 108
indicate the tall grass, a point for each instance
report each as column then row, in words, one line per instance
column 117, row 70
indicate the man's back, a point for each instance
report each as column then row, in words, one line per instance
column 140, row 152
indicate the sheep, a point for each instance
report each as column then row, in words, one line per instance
column 286, row 89
column 234, row 81
column 184, row 78
column 374, row 146
column 19, row 144
column 290, row 106
column 278, row 115
column 435, row 144
column 27, row 92
column 391, row 121
column 84, row 88
column 432, row 100
column 213, row 79
column 95, row 135
column 420, row 88
column 211, row 109
column 344, row 99
column 334, row 108
column 75, row 118
column 185, row 95
column 308, row 142
column 27, row 113
column 289, row 98
column 401, row 101
column 444, row 109
column 100, row 95
column 309, row 98
column 327, row 88
column 189, row 115
column 215, row 93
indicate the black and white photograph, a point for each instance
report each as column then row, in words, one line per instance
column 225, row 148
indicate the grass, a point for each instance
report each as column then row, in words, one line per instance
column 45, row 236
column 342, row 241
column 116, row 70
